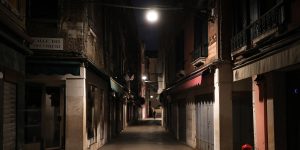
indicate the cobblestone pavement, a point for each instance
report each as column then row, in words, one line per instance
column 145, row 135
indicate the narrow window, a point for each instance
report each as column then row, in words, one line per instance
column 43, row 9
column 200, row 38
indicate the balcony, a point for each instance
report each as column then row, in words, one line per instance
column 257, row 32
column 198, row 60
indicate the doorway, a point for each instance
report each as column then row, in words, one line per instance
column 293, row 121
column 53, row 114
column 44, row 117
column 242, row 111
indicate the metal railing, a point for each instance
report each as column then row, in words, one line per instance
column 270, row 20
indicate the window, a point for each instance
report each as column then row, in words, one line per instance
column 200, row 38
column 180, row 52
column 266, row 5
column 43, row 9
column 240, row 16
column 13, row 5
column 249, row 12
column 255, row 21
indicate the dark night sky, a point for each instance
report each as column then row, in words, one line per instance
column 147, row 32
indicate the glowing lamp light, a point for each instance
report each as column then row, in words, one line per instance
column 296, row 91
column 151, row 96
column 144, row 77
column 152, row 16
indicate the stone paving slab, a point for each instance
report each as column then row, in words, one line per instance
column 145, row 135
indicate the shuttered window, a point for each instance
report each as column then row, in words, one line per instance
column 9, row 116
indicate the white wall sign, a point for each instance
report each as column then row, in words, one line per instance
column 47, row 43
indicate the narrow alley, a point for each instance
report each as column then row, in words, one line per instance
column 145, row 135
column 149, row 74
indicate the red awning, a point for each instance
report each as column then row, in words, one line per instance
column 196, row 81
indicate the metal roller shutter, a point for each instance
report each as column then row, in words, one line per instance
column 182, row 121
column 205, row 124
column 9, row 116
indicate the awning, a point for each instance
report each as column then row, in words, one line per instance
column 199, row 78
column 115, row 86
column 190, row 83
column 287, row 57
column 186, row 83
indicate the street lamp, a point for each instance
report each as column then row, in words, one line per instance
column 144, row 78
column 152, row 15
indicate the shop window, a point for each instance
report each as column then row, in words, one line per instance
column 91, row 113
column 95, row 113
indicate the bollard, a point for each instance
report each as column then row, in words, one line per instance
column 247, row 147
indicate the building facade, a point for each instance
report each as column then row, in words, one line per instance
column 234, row 76
column 198, row 76
column 70, row 92
column 265, row 55
column 150, row 84
column 13, row 50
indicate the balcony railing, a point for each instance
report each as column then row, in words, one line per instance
column 239, row 40
column 266, row 25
